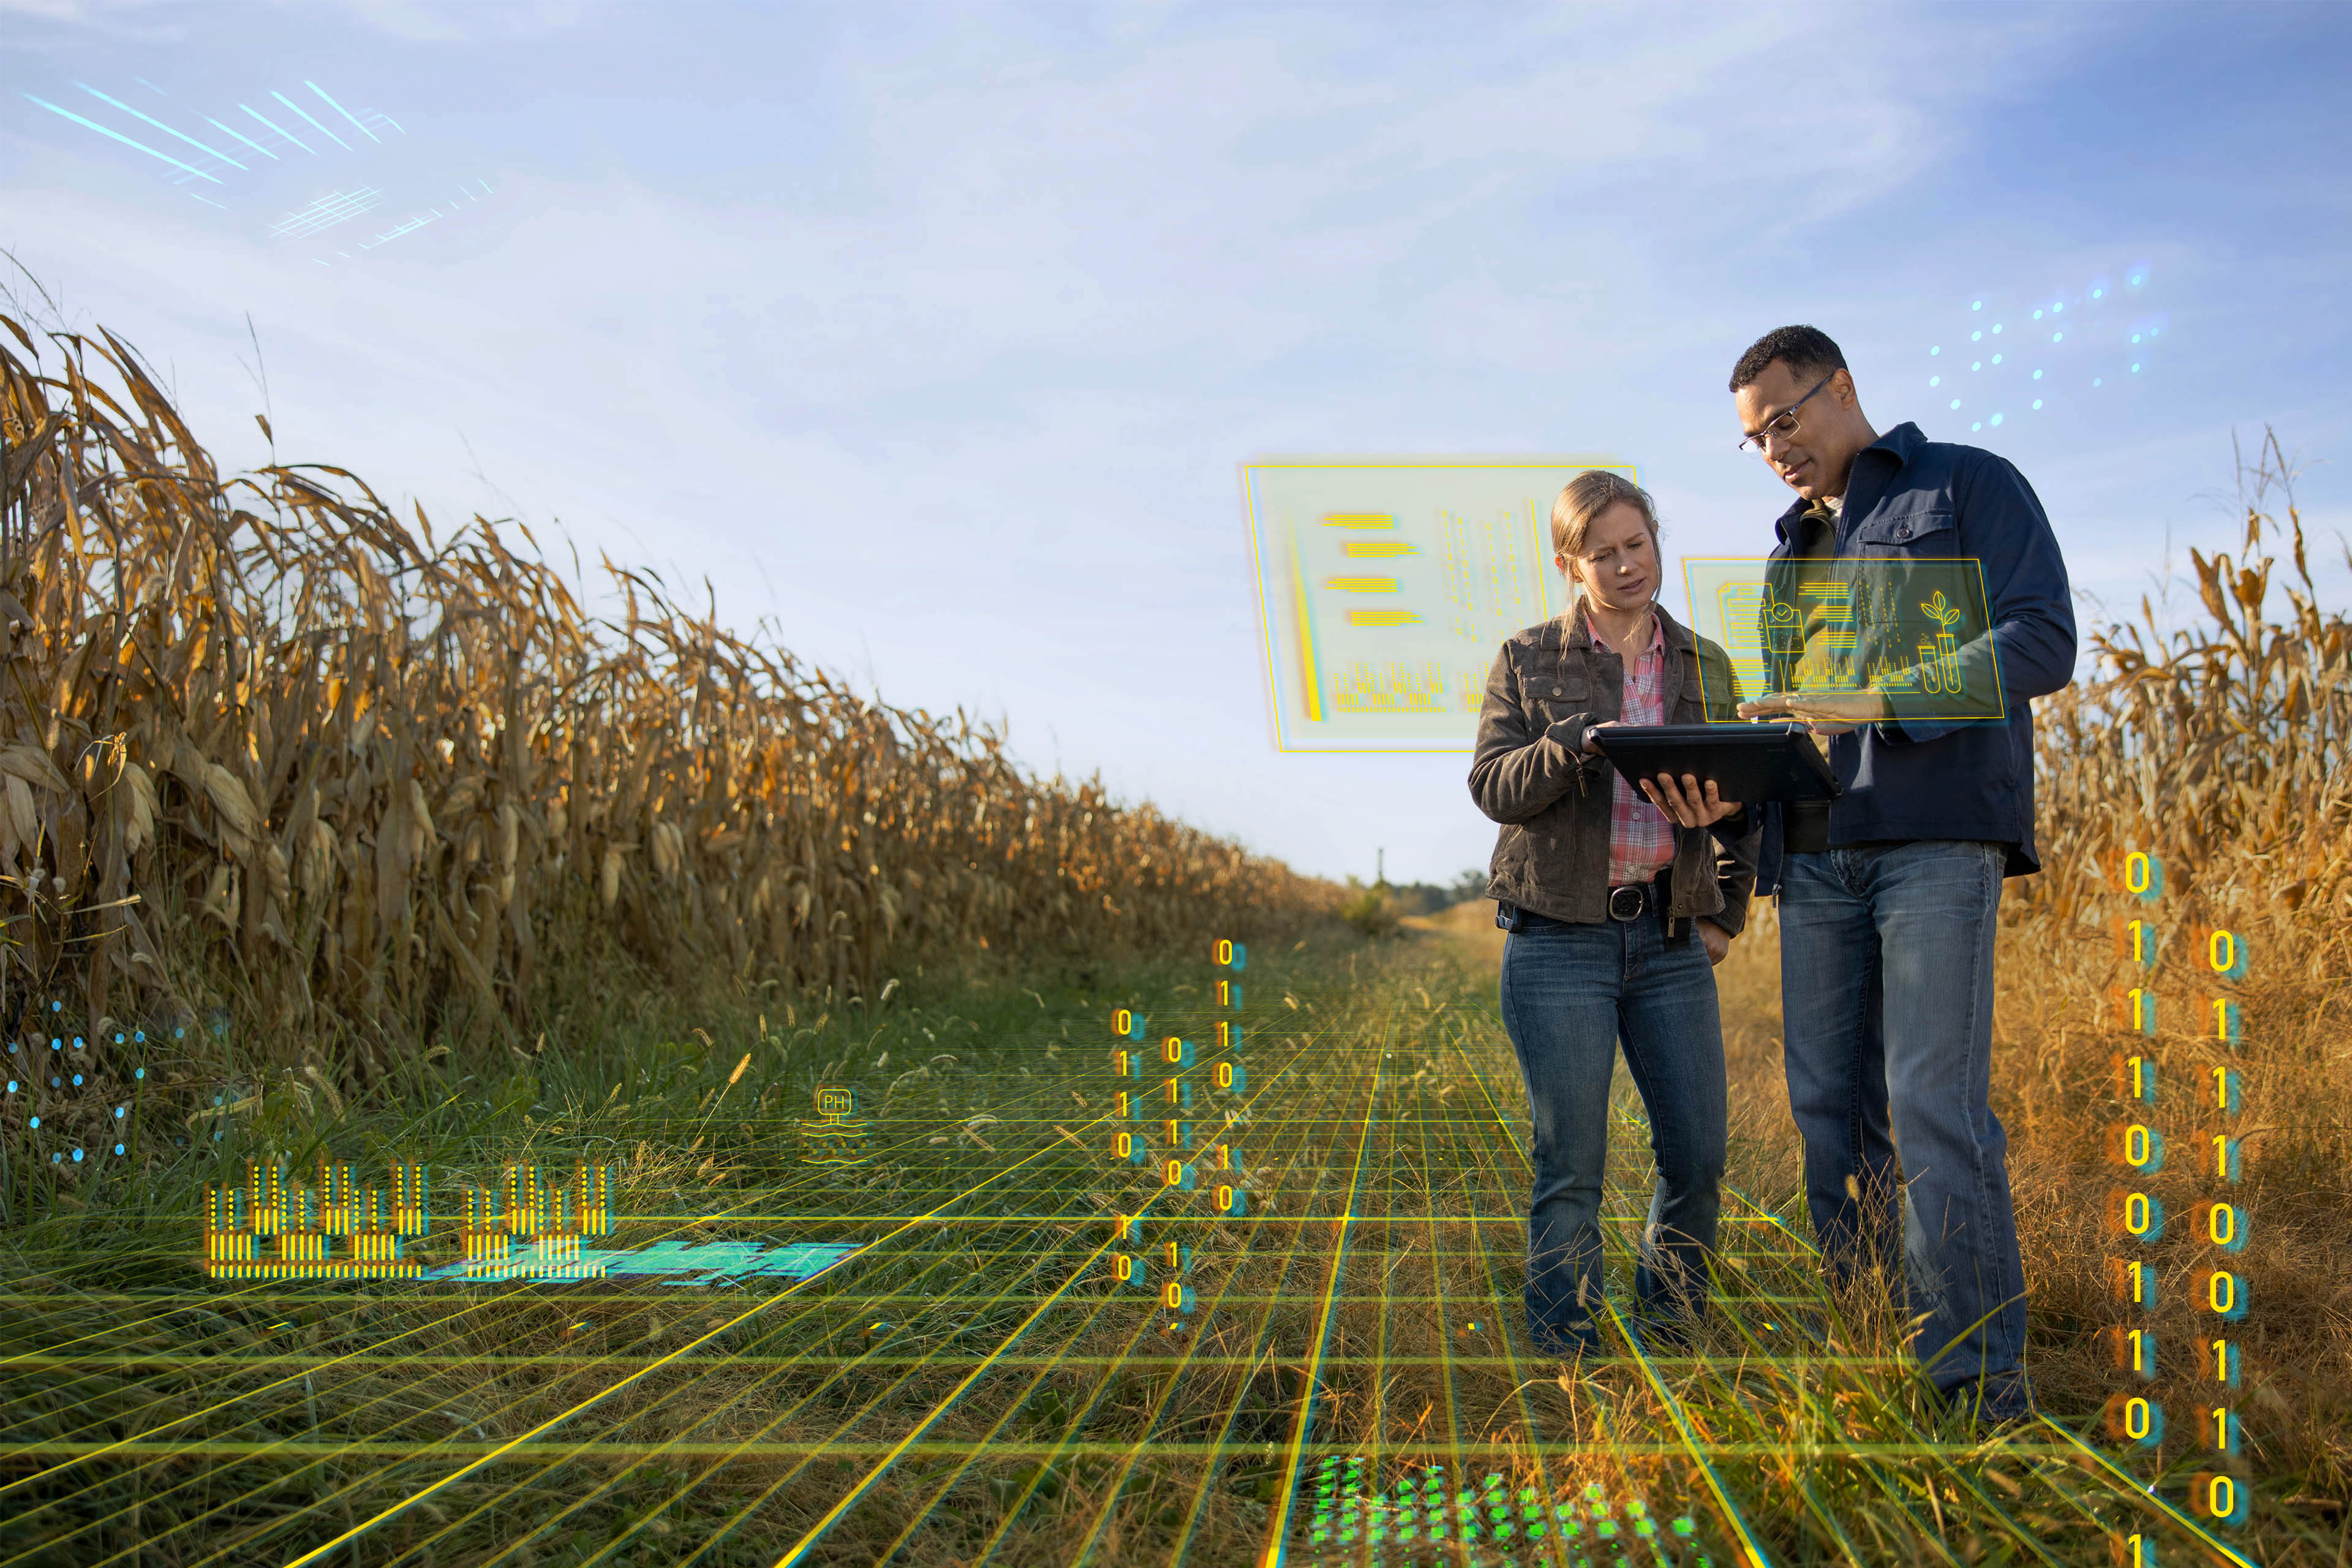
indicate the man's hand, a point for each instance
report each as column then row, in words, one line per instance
column 1717, row 940
column 1686, row 802
column 1826, row 712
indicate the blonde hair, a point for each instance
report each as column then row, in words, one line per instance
column 1582, row 500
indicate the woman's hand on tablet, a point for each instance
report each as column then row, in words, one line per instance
column 1589, row 748
column 1688, row 803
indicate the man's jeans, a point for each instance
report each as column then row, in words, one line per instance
column 1886, row 994
column 1569, row 993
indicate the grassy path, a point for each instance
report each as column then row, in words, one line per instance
column 1349, row 1379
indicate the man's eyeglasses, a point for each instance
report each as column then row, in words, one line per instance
column 1784, row 424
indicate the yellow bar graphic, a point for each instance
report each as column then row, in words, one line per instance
column 1359, row 520
column 1360, row 689
column 1306, row 639
column 1382, row 619
column 1361, row 584
column 1377, row 549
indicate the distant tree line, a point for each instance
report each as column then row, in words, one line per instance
column 1376, row 907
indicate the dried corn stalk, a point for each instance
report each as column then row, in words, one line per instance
column 386, row 778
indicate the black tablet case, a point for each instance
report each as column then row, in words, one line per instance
column 1748, row 762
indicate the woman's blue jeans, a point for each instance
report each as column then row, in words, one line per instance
column 1886, row 991
column 1571, row 995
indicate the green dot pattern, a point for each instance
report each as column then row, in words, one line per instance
column 1423, row 1517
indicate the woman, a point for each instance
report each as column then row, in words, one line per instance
column 1619, row 905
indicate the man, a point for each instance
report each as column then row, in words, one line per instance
column 1888, row 895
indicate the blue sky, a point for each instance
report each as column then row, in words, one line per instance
column 937, row 334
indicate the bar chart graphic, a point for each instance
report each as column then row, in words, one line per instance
column 1385, row 585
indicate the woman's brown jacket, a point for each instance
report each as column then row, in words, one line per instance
column 1548, row 683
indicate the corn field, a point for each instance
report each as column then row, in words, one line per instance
column 2224, row 748
column 265, row 749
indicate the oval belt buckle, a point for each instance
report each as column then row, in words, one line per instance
column 1624, row 903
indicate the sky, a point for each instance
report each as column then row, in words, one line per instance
column 935, row 336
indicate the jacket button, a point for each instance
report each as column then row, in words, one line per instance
column 1555, row 691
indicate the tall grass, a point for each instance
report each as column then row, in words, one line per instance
column 2224, row 748
column 267, row 748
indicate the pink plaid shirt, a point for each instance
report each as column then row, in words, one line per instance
column 1640, row 839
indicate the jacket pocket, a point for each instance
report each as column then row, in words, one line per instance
column 1557, row 695
column 1706, row 684
column 1566, row 687
column 1927, row 531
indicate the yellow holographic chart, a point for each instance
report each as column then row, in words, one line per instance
column 1385, row 585
column 1915, row 630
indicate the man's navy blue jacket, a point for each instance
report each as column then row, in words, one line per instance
column 1910, row 497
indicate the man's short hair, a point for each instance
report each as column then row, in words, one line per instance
column 1807, row 351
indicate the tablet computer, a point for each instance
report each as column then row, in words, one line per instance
column 1748, row 762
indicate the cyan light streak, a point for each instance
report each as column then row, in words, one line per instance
column 346, row 113
column 279, row 129
column 150, row 86
column 326, row 212
column 306, row 114
column 411, row 227
column 330, row 210
column 244, row 138
column 713, row 1263
column 118, row 136
column 158, row 124
column 207, row 200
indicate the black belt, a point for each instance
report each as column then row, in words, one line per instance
column 1630, row 901
column 1627, row 903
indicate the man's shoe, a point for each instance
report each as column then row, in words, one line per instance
column 2001, row 1408
column 1999, row 1429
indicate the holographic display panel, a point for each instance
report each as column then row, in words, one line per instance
column 1915, row 631
column 1385, row 585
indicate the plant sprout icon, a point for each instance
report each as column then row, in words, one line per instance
column 1939, row 661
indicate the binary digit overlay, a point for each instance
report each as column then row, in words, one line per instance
column 2163, row 1000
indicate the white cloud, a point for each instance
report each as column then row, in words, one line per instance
column 114, row 21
